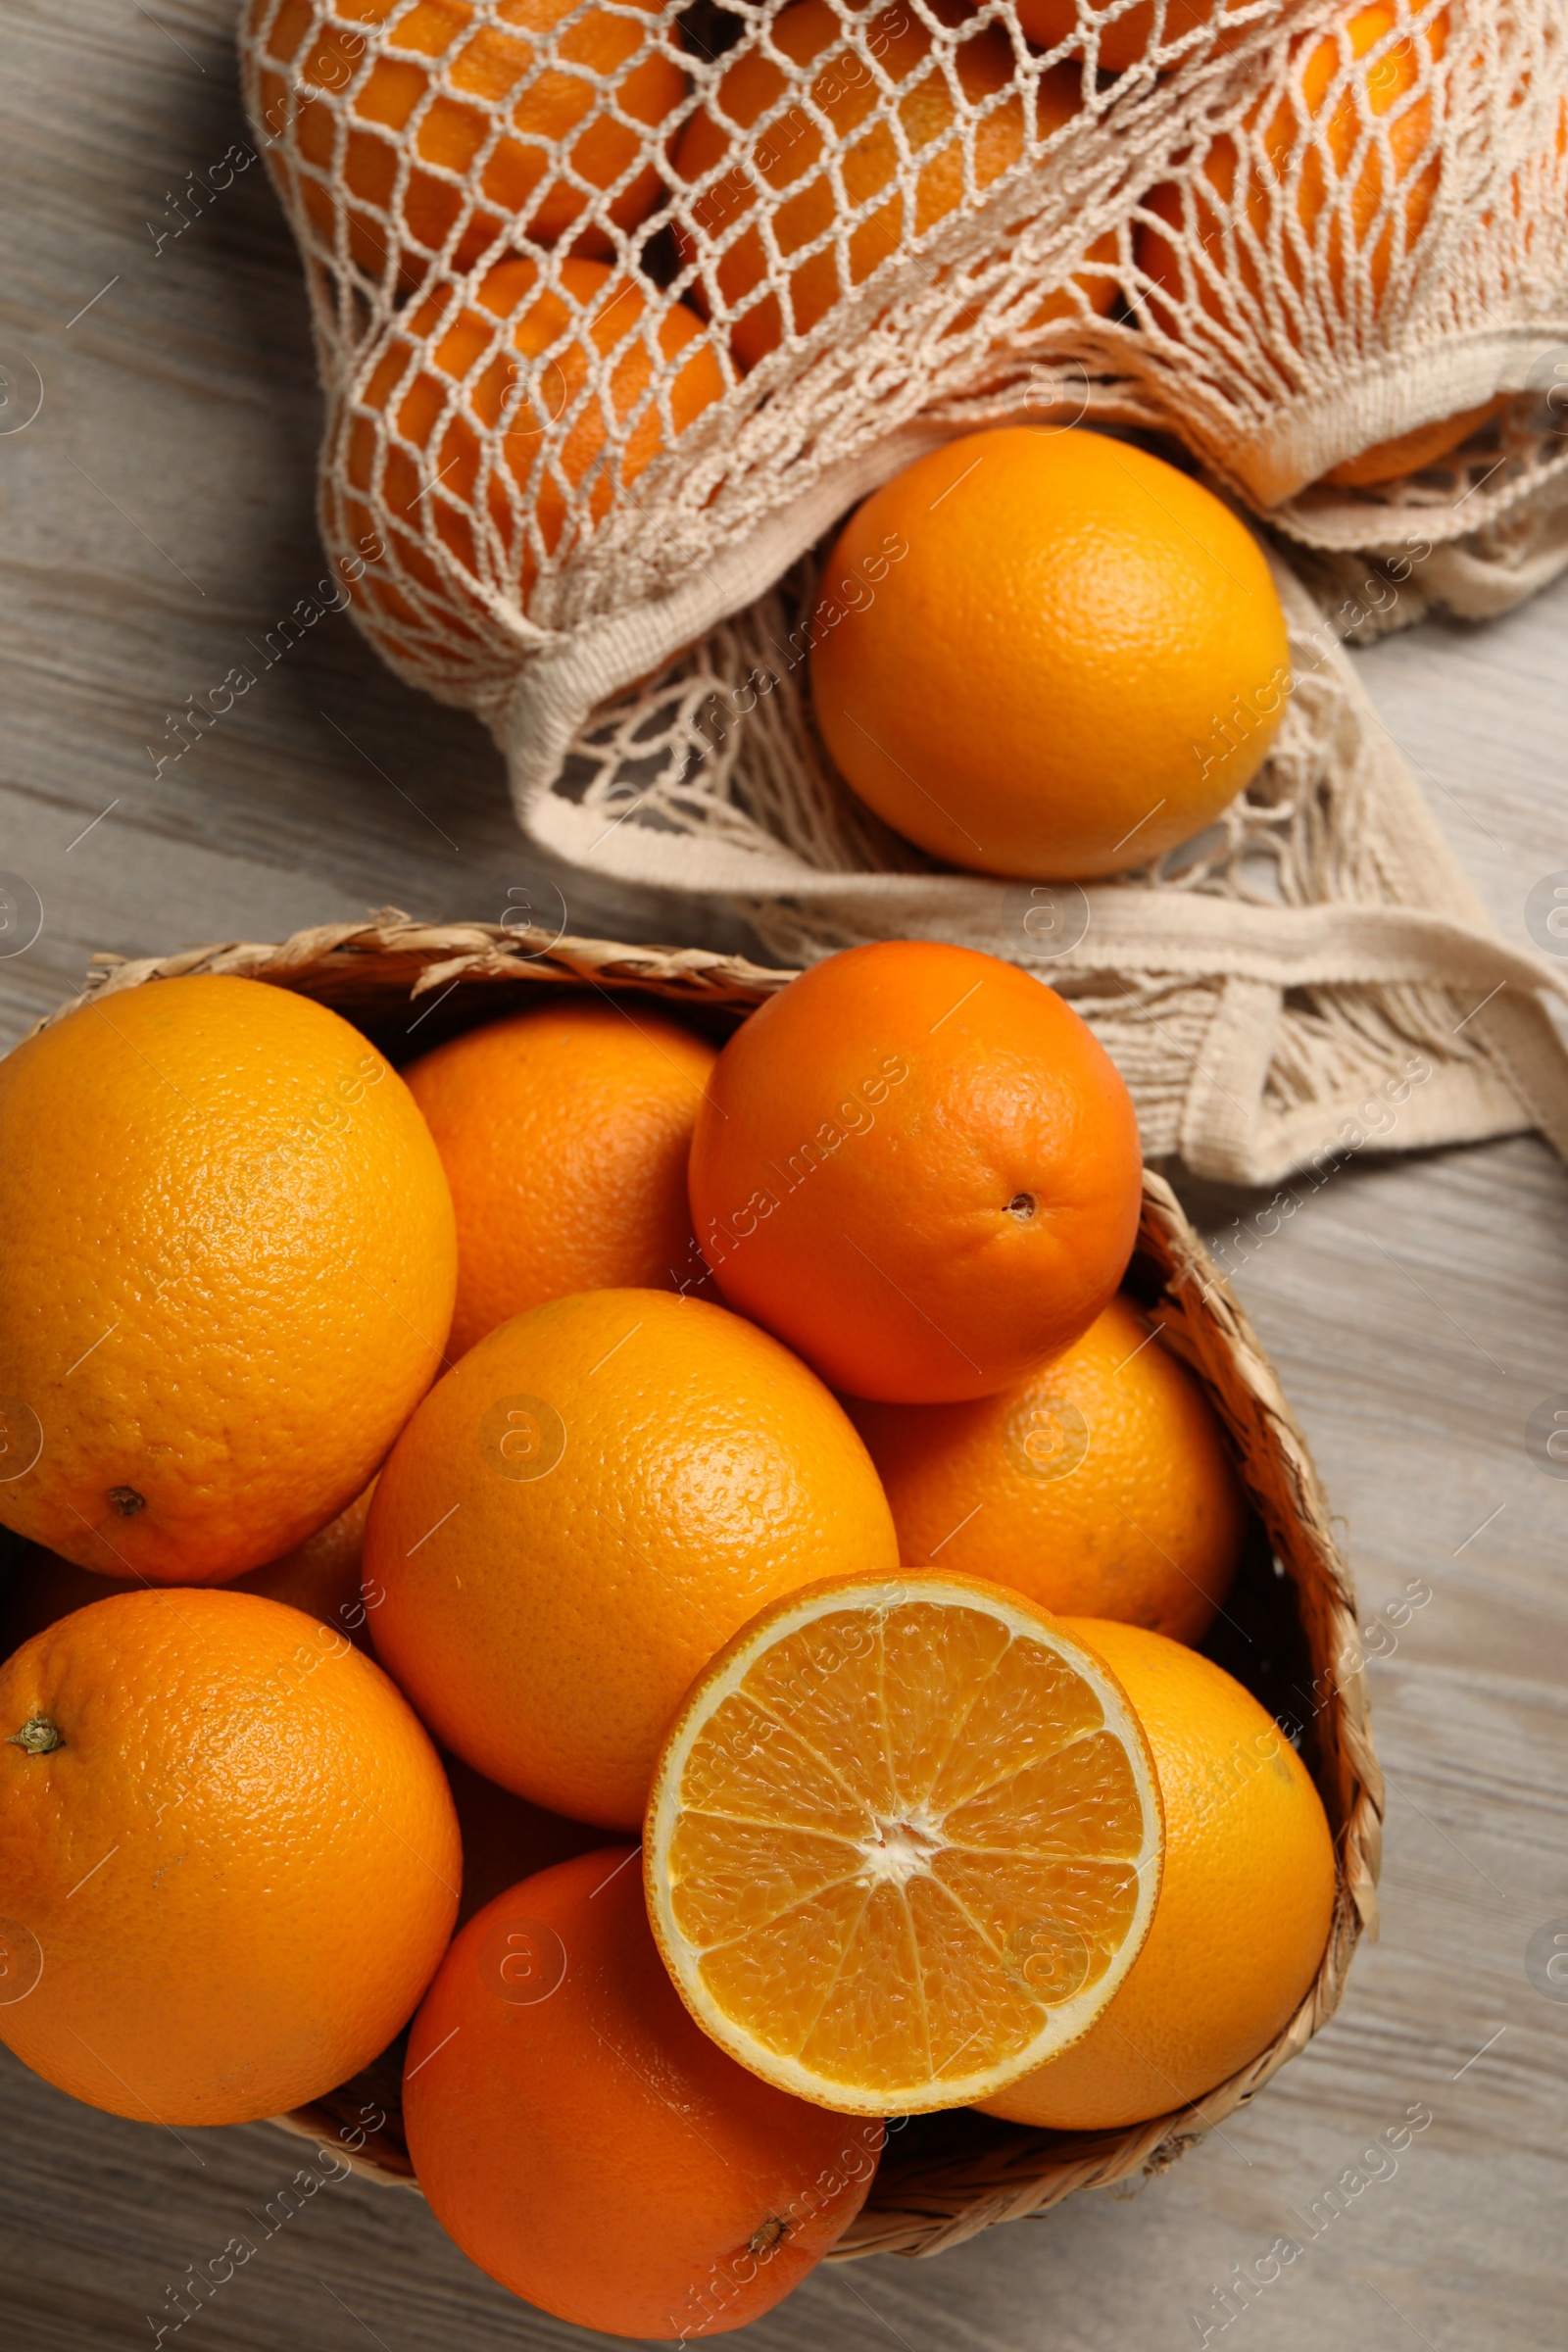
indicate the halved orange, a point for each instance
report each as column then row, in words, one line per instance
column 903, row 1842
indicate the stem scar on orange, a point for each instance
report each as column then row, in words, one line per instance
column 918, row 1166
column 321, row 1577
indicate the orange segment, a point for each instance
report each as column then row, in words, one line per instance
column 904, row 1843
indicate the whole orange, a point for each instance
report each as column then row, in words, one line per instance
column 320, row 1576
column 1328, row 231
column 1358, row 110
column 564, row 1134
column 583, row 1512
column 1075, row 658
column 584, row 2141
column 228, row 1857
column 918, row 1166
column 1244, row 1906
column 227, row 1271
column 789, row 156
column 460, row 75
column 511, row 360
column 1099, row 1487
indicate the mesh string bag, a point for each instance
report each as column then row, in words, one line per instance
column 619, row 311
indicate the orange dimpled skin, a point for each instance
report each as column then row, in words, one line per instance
column 228, row 1857
column 918, row 1166
column 1245, row 1905
column 1047, row 653
column 583, row 2140
column 226, row 1270
column 583, row 1512
column 1099, row 1487
column 564, row 1135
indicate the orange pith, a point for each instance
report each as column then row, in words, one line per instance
column 904, row 1842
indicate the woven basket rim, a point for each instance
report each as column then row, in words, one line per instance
column 917, row 2205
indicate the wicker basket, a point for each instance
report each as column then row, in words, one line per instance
column 1289, row 1630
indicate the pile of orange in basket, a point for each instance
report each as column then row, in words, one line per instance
column 433, row 1482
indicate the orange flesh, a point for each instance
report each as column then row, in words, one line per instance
column 906, row 1836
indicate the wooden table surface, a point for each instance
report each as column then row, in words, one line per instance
column 158, row 513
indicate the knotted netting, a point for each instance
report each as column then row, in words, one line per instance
column 620, row 309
